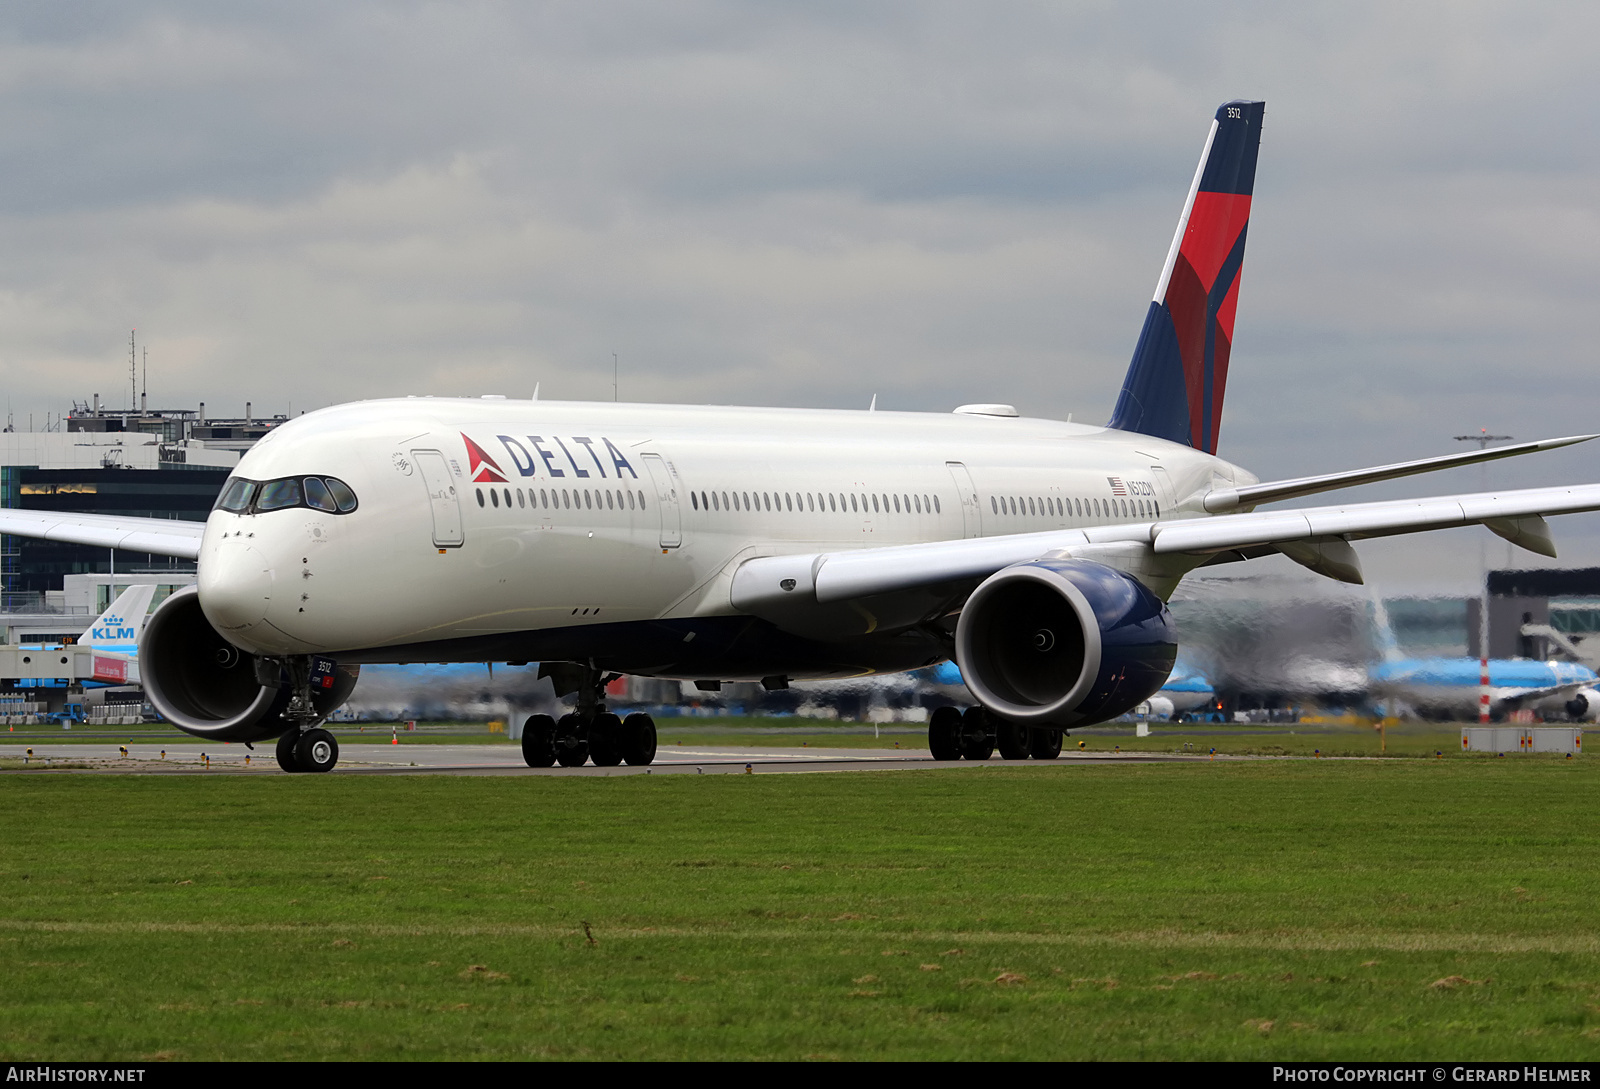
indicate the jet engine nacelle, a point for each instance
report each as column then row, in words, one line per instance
column 1584, row 706
column 1157, row 707
column 206, row 686
column 1064, row 643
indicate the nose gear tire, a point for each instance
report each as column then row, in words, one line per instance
column 317, row 750
column 285, row 751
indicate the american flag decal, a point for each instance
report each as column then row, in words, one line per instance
column 1117, row 486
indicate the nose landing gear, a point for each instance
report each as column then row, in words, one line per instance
column 305, row 746
column 309, row 750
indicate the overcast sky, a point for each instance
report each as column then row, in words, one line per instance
column 808, row 204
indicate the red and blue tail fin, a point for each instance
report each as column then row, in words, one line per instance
column 1179, row 371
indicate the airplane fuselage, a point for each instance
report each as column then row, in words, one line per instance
column 518, row 530
column 1454, row 685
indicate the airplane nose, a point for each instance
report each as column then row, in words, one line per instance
column 235, row 589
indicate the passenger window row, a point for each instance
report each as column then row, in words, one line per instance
column 1097, row 510
column 858, row 502
column 562, row 498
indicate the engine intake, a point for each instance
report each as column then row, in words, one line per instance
column 1064, row 643
column 1583, row 705
column 206, row 686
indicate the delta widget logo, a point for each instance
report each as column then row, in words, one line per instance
column 480, row 466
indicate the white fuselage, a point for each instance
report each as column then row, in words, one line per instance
column 599, row 513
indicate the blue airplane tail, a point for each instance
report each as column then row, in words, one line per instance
column 118, row 628
column 1175, row 383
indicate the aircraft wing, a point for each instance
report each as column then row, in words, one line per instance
column 1515, row 515
column 1226, row 499
column 828, row 577
column 161, row 536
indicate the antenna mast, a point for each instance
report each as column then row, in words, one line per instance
column 133, row 371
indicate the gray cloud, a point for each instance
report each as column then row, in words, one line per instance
column 808, row 204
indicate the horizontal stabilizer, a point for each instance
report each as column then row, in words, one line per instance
column 1226, row 499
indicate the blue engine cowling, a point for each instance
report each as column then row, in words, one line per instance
column 1064, row 643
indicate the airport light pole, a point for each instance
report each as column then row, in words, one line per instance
column 1483, row 439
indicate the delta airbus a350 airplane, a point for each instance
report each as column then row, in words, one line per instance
column 710, row 543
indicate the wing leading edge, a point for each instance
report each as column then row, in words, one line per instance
column 1315, row 536
column 159, row 536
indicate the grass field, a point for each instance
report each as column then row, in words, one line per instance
column 1333, row 909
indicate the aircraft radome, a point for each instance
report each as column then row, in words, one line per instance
column 714, row 543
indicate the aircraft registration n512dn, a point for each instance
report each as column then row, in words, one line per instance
column 712, row 543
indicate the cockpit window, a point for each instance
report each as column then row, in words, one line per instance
column 235, row 498
column 324, row 493
column 278, row 494
column 317, row 495
column 342, row 495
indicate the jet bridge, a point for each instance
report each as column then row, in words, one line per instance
column 55, row 676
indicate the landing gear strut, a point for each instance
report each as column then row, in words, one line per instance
column 589, row 733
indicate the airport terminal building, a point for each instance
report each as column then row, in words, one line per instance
column 144, row 464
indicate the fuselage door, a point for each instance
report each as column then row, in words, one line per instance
column 1163, row 488
column 971, row 515
column 661, row 475
column 442, row 497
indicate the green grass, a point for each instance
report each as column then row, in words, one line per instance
column 1410, row 739
column 1305, row 909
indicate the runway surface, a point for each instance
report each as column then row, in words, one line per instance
column 145, row 758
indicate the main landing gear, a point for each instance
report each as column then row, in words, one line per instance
column 306, row 746
column 974, row 734
column 591, row 733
